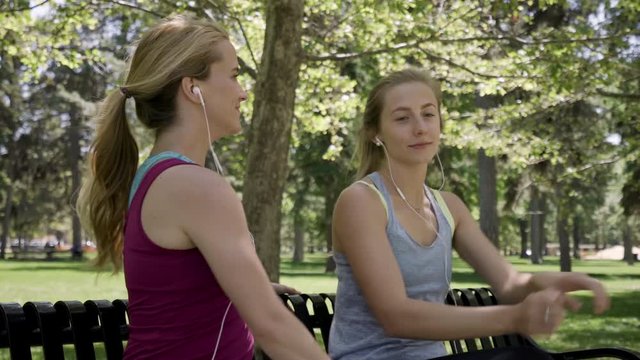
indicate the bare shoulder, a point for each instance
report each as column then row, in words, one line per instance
column 193, row 185
column 359, row 213
column 201, row 203
column 360, row 198
column 456, row 206
column 452, row 199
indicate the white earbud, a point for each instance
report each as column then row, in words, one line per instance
column 196, row 91
column 377, row 141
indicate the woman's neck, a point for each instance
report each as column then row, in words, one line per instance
column 182, row 140
column 410, row 180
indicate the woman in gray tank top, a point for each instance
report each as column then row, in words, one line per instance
column 393, row 240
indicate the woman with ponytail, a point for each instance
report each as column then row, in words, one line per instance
column 196, row 287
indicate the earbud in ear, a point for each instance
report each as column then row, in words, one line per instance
column 377, row 141
column 196, row 91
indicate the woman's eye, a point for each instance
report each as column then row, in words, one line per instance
column 428, row 115
column 402, row 118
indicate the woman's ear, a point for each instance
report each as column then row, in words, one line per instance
column 186, row 87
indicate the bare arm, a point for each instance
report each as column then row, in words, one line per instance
column 213, row 218
column 510, row 285
column 359, row 227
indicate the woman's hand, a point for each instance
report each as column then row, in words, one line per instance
column 568, row 282
column 283, row 289
column 541, row 313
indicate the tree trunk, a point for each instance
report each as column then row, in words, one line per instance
column 6, row 222
column 543, row 220
column 628, row 247
column 522, row 223
column 270, row 130
column 298, row 241
column 562, row 231
column 330, row 199
column 577, row 231
column 563, row 238
column 298, row 228
column 489, row 222
column 536, row 226
column 74, row 164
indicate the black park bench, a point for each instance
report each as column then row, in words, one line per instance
column 28, row 251
column 83, row 325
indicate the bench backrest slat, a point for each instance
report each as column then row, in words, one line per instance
column 44, row 318
column 80, row 325
column 15, row 322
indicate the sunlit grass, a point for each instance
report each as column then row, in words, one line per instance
column 22, row 281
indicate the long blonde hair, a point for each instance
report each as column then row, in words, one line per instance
column 368, row 154
column 177, row 47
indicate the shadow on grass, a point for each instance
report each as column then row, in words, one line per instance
column 314, row 271
column 619, row 326
column 605, row 277
column 623, row 304
column 50, row 265
column 305, row 274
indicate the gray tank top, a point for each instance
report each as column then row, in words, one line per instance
column 355, row 332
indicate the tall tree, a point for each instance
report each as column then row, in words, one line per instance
column 629, row 257
column 536, row 225
column 270, row 133
column 577, row 236
column 488, row 197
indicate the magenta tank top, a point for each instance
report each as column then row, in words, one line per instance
column 176, row 305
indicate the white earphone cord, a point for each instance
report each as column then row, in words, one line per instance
column 206, row 121
column 215, row 351
column 219, row 170
column 420, row 216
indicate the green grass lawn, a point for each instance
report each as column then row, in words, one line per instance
column 22, row 281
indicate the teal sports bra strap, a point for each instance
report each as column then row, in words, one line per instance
column 148, row 164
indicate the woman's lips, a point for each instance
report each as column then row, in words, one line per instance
column 421, row 145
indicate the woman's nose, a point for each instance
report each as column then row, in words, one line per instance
column 420, row 126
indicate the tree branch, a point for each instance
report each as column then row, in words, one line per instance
column 567, row 41
column 590, row 166
column 246, row 41
column 248, row 69
column 134, row 6
column 349, row 56
column 629, row 96
column 473, row 72
column 24, row 8
column 224, row 10
column 462, row 16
